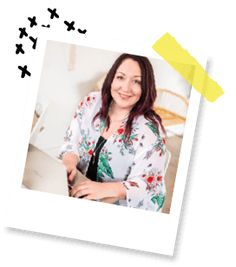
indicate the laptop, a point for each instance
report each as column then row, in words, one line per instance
column 44, row 173
column 47, row 174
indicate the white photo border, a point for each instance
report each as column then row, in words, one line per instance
column 88, row 220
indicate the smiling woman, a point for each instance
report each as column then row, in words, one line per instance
column 116, row 139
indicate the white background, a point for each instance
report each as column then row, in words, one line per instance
column 207, row 226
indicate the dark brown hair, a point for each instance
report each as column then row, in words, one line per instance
column 145, row 104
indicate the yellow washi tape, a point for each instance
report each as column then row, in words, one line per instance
column 179, row 58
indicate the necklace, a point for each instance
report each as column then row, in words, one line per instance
column 97, row 148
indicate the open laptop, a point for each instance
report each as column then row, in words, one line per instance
column 47, row 174
column 44, row 173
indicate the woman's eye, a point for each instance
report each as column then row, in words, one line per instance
column 119, row 77
column 137, row 81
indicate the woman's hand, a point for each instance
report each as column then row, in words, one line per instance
column 70, row 161
column 99, row 191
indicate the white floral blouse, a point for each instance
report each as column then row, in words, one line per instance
column 138, row 164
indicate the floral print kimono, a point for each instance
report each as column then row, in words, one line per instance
column 139, row 163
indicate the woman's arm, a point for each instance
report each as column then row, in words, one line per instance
column 70, row 161
column 145, row 186
column 108, row 192
column 69, row 150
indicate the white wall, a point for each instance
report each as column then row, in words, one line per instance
column 63, row 88
column 168, row 78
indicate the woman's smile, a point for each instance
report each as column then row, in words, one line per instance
column 124, row 96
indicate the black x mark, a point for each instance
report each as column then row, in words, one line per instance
column 19, row 49
column 23, row 32
column 70, row 26
column 53, row 13
column 24, row 71
column 32, row 21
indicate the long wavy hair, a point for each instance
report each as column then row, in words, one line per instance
column 145, row 104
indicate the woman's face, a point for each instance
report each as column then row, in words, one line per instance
column 126, row 85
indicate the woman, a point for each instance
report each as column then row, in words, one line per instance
column 116, row 139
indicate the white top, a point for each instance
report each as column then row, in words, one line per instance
column 139, row 163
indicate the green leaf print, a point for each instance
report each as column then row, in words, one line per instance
column 153, row 128
column 159, row 200
column 159, row 143
column 104, row 166
column 102, row 125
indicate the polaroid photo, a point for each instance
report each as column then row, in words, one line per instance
column 75, row 85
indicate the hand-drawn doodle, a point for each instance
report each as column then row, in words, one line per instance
column 53, row 13
column 32, row 21
column 70, row 26
column 19, row 49
column 82, row 31
column 24, row 71
column 34, row 41
column 22, row 33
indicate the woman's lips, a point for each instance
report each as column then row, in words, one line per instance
column 124, row 96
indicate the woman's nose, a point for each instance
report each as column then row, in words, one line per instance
column 126, row 87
